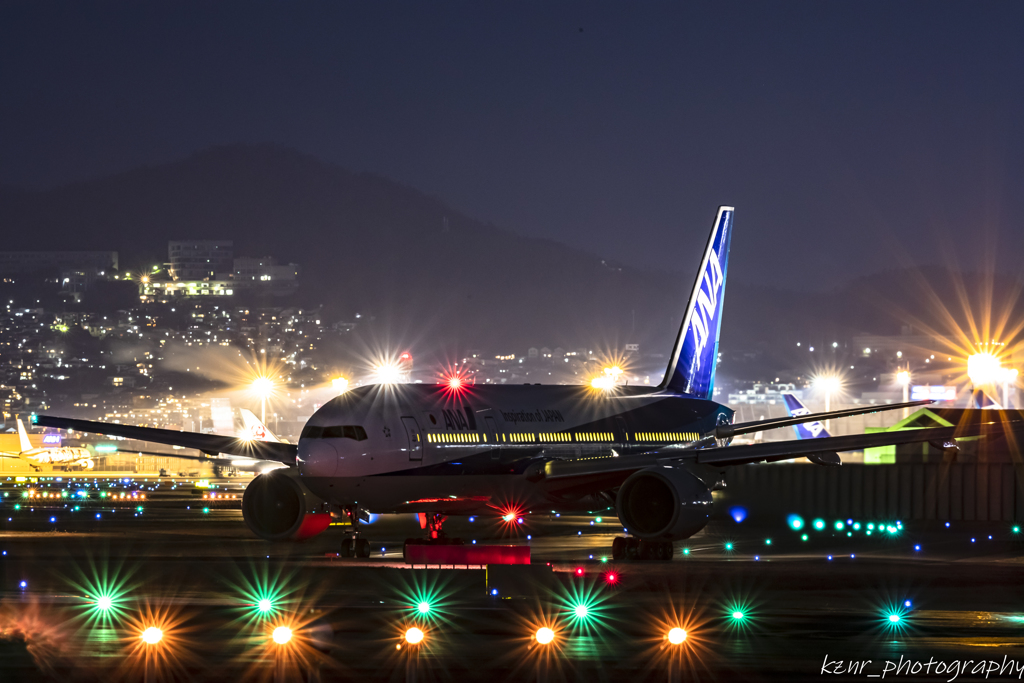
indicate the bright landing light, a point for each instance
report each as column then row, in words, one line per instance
column 676, row 636
column 282, row 634
column 152, row 635
column 984, row 369
column 545, row 635
column 104, row 603
column 413, row 636
column 388, row 374
column 263, row 386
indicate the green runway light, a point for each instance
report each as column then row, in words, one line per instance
column 856, row 526
column 206, row 511
column 104, row 603
column 264, row 605
column 871, row 527
column 686, row 551
column 581, row 611
column 738, row 616
column 767, row 541
column 423, row 608
column 803, row 537
column 894, row 618
column 839, row 525
column 598, row 520
column 819, row 524
column 728, row 546
column 1016, row 529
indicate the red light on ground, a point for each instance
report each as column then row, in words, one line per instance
column 579, row 571
column 455, row 382
column 611, row 577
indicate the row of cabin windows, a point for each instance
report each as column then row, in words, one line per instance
column 667, row 436
column 340, row 432
column 583, row 437
column 359, row 434
column 464, row 437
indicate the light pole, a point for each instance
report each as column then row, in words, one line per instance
column 1009, row 377
column 829, row 384
column 263, row 386
column 903, row 377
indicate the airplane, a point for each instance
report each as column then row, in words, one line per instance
column 56, row 455
column 252, row 430
column 807, row 430
column 653, row 454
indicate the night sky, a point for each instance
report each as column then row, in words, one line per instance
column 851, row 137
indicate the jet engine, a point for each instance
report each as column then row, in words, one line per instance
column 277, row 507
column 663, row 503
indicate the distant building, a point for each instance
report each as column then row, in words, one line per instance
column 165, row 291
column 200, row 259
column 265, row 273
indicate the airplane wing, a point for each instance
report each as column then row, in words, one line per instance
column 211, row 444
column 727, row 431
column 725, row 456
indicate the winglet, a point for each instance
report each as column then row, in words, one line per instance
column 691, row 368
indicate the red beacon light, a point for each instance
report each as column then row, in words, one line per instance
column 455, row 383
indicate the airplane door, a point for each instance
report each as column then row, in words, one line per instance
column 412, row 430
column 492, row 436
column 620, row 425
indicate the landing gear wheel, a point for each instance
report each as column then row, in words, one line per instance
column 619, row 548
column 347, row 548
column 362, row 548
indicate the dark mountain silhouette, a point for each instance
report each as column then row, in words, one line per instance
column 364, row 244
column 429, row 273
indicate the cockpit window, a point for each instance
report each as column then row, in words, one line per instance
column 339, row 432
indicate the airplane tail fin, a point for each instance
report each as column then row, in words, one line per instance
column 691, row 369
column 26, row 445
column 255, row 429
column 807, row 430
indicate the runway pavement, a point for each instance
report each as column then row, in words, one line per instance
column 89, row 565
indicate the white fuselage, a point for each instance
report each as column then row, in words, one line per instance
column 64, row 455
column 418, row 447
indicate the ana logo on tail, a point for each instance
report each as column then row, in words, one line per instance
column 691, row 370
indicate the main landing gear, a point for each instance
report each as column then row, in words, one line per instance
column 628, row 548
column 432, row 521
column 354, row 546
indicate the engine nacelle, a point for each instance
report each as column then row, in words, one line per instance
column 277, row 507
column 663, row 503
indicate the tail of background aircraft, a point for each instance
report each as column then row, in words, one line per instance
column 691, row 369
column 808, row 430
column 26, row 445
column 254, row 429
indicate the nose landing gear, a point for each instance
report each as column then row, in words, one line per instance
column 354, row 546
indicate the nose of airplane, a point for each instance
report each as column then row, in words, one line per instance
column 317, row 458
